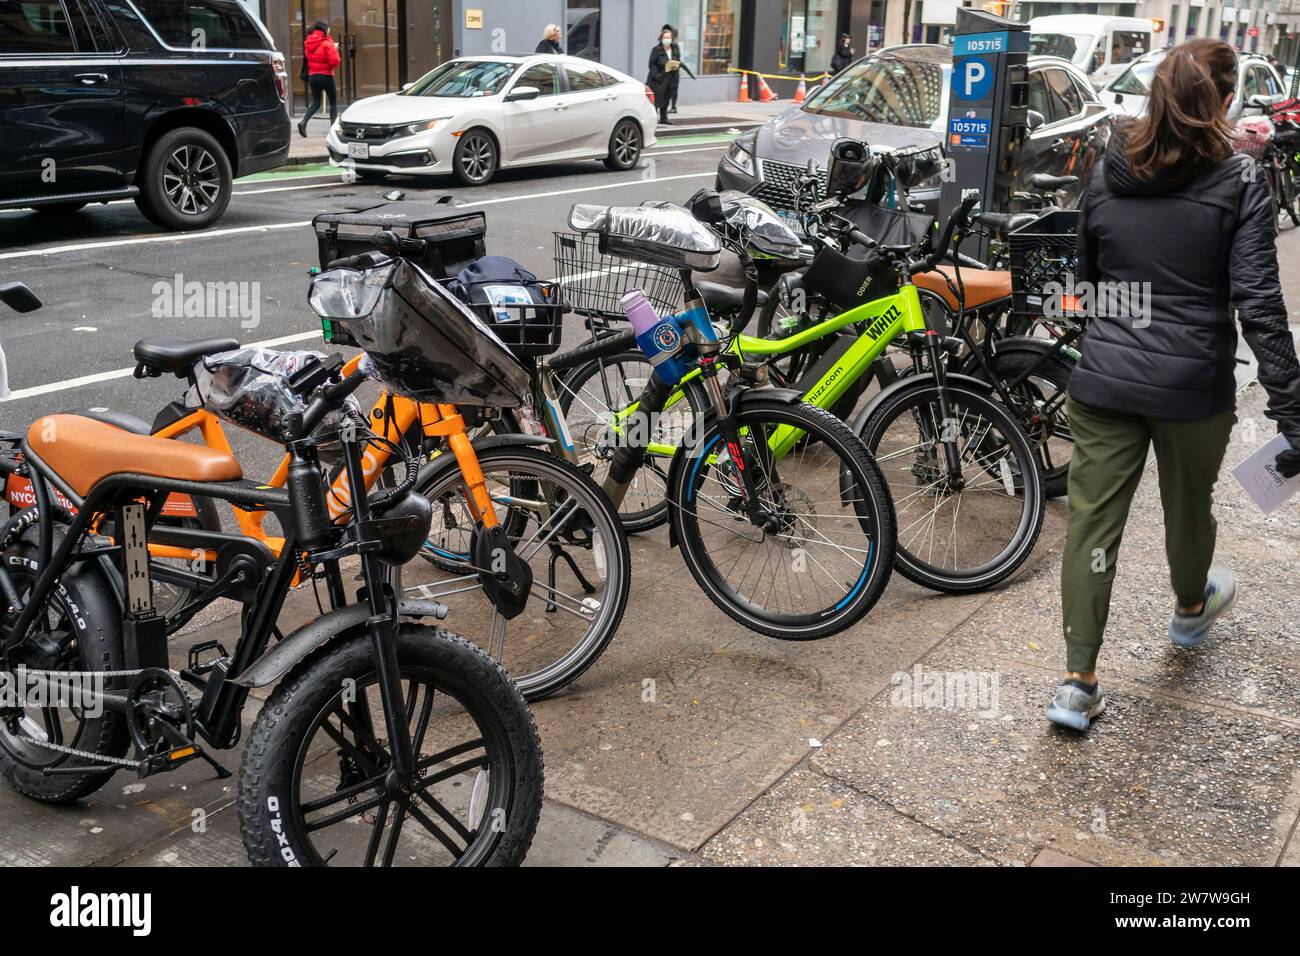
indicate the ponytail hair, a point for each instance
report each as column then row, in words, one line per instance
column 1186, row 120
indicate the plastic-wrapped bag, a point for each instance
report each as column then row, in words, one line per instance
column 249, row 387
column 768, row 233
column 661, row 233
column 421, row 341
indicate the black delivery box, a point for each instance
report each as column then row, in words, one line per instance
column 455, row 236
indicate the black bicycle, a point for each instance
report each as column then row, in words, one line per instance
column 387, row 740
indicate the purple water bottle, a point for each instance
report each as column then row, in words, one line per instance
column 659, row 338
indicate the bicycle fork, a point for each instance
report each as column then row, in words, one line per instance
column 947, row 436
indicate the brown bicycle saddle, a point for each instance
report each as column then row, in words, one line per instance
column 982, row 285
column 84, row 452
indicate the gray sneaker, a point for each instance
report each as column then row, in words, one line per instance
column 1188, row 630
column 1076, row 704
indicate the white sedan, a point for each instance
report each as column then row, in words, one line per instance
column 474, row 115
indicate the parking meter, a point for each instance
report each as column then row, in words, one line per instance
column 988, row 106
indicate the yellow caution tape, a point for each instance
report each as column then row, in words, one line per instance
column 778, row 76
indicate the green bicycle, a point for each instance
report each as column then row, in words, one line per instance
column 962, row 473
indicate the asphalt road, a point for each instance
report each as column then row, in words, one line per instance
column 96, row 271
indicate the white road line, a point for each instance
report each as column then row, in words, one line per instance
column 240, row 230
column 169, row 237
column 335, row 179
column 70, row 383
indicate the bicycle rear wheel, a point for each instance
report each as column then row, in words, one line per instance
column 823, row 557
column 1040, row 408
column 594, row 397
column 956, row 536
column 564, row 528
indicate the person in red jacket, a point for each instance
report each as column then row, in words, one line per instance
column 322, row 59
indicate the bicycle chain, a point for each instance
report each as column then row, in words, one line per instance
column 88, row 754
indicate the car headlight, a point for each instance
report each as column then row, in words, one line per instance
column 741, row 155
column 422, row 127
column 337, row 128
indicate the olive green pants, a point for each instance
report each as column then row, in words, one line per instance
column 1110, row 453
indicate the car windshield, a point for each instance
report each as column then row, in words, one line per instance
column 898, row 89
column 463, row 78
column 1136, row 80
column 1058, row 44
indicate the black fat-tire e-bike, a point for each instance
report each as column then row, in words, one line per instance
column 376, row 717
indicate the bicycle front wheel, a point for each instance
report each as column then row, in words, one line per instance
column 563, row 527
column 821, row 557
column 963, row 533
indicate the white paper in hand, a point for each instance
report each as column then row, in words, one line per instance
column 1258, row 474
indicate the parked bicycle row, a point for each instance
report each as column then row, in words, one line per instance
column 901, row 407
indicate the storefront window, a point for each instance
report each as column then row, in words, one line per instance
column 807, row 36
column 708, row 32
column 582, row 36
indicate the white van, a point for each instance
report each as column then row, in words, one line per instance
column 1099, row 45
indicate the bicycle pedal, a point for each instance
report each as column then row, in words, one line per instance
column 169, row 760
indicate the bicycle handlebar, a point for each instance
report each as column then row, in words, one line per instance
column 958, row 218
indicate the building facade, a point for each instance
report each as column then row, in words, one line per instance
column 387, row 43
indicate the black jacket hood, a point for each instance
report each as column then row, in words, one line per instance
column 1122, row 181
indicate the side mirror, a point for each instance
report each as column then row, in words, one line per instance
column 407, row 86
column 18, row 297
column 1259, row 101
column 1034, row 119
column 523, row 93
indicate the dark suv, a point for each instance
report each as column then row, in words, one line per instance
column 160, row 101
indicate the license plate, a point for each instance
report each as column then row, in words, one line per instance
column 359, row 150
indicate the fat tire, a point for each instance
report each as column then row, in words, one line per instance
column 277, row 734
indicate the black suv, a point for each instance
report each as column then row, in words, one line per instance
column 162, row 101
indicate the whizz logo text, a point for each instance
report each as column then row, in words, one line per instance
column 179, row 299
column 77, row 909
column 882, row 322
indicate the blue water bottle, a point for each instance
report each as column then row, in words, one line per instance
column 659, row 338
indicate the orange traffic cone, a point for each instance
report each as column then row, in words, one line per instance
column 765, row 94
column 744, row 89
column 801, row 90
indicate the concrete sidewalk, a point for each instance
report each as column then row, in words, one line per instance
column 688, row 120
column 1195, row 761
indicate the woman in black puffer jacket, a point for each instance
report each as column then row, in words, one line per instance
column 1177, row 232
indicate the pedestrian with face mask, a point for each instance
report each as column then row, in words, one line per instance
column 675, row 78
column 1173, row 208
column 663, row 72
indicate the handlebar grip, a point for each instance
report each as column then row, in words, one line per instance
column 391, row 244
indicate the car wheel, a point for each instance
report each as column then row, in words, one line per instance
column 475, row 158
column 624, row 146
column 185, row 180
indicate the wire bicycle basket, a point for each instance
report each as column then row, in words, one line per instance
column 592, row 282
